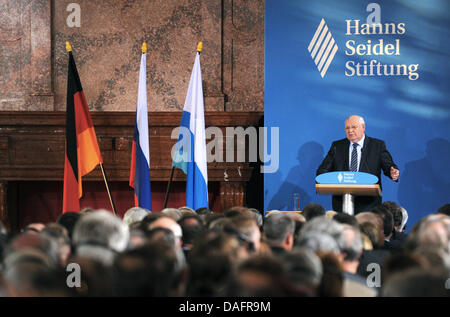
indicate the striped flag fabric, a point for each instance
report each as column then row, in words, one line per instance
column 82, row 153
column 140, row 155
column 192, row 158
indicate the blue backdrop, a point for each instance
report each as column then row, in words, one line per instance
column 409, row 110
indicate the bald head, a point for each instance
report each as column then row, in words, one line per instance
column 354, row 128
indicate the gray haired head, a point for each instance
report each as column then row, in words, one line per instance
column 277, row 227
column 173, row 213
column 135, row 214
column 100, row 231
column 322, row 225
column 319, row 241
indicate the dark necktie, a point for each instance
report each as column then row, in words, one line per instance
column 354, row 162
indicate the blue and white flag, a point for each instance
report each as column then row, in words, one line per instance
column 190, row 150
column 140, row 157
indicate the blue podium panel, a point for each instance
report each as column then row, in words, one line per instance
column 346, row 177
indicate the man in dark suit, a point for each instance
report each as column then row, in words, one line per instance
column 359, row 152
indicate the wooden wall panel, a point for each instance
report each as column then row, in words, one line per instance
column 32, row 149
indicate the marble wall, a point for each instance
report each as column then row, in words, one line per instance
column 107, row 48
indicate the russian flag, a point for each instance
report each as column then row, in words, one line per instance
column 140, row 156
column 190, row 150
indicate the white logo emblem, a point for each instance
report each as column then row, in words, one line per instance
column 322, row 48
column 340, row 177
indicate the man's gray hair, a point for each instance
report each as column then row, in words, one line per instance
column 361, row 119
column 98, row 232
column 350, row 242
column 434, row 231
column 173, row 213
column 277, row 227
column 319, row 241
column 323, row 224
column 135, row 214
column 313, row 229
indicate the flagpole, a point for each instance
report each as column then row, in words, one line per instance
column 107, row 189
column 169, row 185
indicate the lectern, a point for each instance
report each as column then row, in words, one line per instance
column 349, row 185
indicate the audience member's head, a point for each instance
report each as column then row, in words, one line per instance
column 34, row 241
column 212, row 260
column 344, row 218
column 416, row 283
column 332, row 283
column 259, row 276
column 400, row 217
column 304, row 270
column 248, row 229
column 313, row 210
column 279, row 231
column 318, row 241
column 29, row 272
column 376, row 220
column 397, row 214
column 320, row 234
column 399, row 262
column 432, row 231
column 162, row 236
column 388, row 220
column 186, row 211
column 68, row 221
column 95, row 279
column 172, row 225
column 34, row 227
column 60, row 235
column 100, row 235
column 148, row 220
column 297, row 217
column 258, row 217
column 135, row 214
column 373, row 233
column 351, row 246
column 191, row 227
column 173, row 213
column 150, row 270
column 219, row 223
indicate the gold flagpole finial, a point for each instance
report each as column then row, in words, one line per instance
column 144, row 48
column 199, row 47
column 68, row 47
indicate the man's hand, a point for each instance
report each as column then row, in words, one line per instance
column 395, row 173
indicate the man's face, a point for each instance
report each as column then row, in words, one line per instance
column 354, row 129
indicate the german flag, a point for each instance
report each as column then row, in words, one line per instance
column 82, row 153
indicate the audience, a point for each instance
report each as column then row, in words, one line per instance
column 238, row 253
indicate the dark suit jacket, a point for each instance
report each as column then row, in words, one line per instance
column 374, row 159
